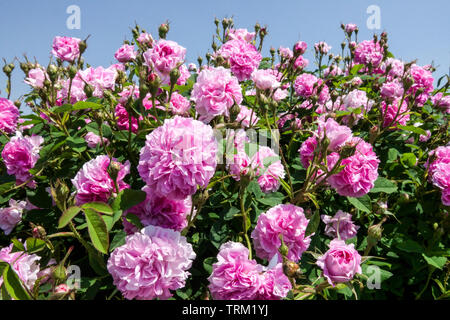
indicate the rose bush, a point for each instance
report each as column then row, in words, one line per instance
column 242, row 177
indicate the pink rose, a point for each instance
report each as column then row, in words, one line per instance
column 215, row 92
column 164, row 56
column 9, row 115
column 94, row 140
column 36, row 78
column 340, row 263
column 12, row 215
column 125, row 53
column 265, row 79
column 243, row 57
column 66, row 48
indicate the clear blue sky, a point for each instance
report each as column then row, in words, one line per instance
column 417, row 29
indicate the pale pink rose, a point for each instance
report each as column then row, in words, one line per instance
column 307, row 85
column 100, row 78
column 76, row 90
column 243, row 57
column 265, row 79
column 20, row 155
column 66, row 48
column 359, row 173
column 36, row 78
column 164, row 56
column 215, row 92
column 125, row 53
column 145, row 38
column 280, row 94
column 340, row 225
column 247, row 116
column 235, row 277
column 441, row 101
column 151, row 264
column 286, row 220
column 12, row 215
column 396, row 68
column 301, row 62
column 392, row 90
column 160, row 211
column 423, row 79
column 93, row 182
column 369, row 52
column 392, row 115
column 241, row 34
column 178, row 157
column 269, row 169
column 340, row 263
column 9, row 115
column 179, row 104
column 25, row 265
column 129, row 92
column 94, row 140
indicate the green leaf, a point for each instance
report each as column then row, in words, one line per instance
column 207, row 264
column 35, row 245
column 384, row 185
column 67, row 216
column 134, row 219
column 354, row 70
column 231, row 213
column 313, row 224
column 6, row 186
column 128, row 198
column 392, row 154
column 410, row 246
column 77, row 144
column 17, row 245
column 99, row 207
column 63, row 108
column 80, row 105
column 272, row 199
column 118, row 240
column 437, row 262
column 97, row 230
column 362, row 203
column 408, row 159
column 13, row 285
column 413, row 129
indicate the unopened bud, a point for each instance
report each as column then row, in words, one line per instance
column 163, row 30
column 290, row 269
column 374, row 234
column 52, row 71
column 72, row 72
column 88, row 90
column 174, row 76
column 113, row 170
column 82, row 46
column 17, row 103
column 59, row 273
column 257, row 27
column 348, row 151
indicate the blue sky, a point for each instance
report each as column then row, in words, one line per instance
column 416, row 29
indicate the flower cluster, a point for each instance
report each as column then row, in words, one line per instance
column 151, row 263
column 236, row 277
